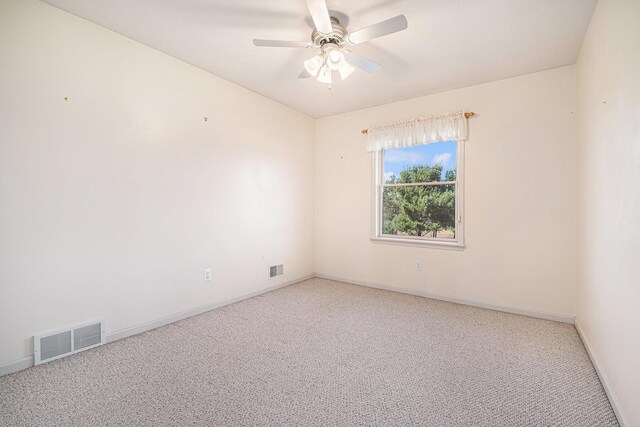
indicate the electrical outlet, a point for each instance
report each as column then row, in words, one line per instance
column 207, row 275
column 418, row 265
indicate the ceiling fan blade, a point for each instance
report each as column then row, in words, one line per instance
column 389, row 26
column 280, row 43
column 304, row 74
column 320, row 15
column 362, row 62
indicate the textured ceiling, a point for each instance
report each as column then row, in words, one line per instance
column 449, row 43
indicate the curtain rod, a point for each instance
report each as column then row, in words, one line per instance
column 466, row 116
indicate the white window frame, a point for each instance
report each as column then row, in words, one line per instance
column 378, row 188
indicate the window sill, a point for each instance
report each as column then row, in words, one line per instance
column 454, row 246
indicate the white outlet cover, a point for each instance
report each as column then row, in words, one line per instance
column 418, row 265
column 207, row 274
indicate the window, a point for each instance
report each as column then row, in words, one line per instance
column 418, row 194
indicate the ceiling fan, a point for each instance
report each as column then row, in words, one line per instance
column 333, row 40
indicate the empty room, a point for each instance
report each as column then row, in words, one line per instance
column 319, row 213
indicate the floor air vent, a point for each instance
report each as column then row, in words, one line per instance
column 63, row 342
column 276, row 270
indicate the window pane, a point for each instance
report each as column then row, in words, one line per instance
column 418, row 210
column 421, row 163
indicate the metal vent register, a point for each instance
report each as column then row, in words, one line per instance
column 276, row 270
column 63, row 342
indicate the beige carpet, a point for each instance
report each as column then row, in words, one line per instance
column 322, row 353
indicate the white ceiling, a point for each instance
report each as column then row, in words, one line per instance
column 449, row 43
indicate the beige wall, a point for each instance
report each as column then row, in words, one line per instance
column 609, row 138
column 520, row 201
column 113, row 203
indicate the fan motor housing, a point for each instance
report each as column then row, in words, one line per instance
column 336, row 37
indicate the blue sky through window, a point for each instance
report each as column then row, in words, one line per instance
column 398, row 159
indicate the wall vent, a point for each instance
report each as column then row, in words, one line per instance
column 276, row 270
column 63, row 342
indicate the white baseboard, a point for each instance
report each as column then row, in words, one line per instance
column 147, row 326
column 513, row 310
column 622, row 419
column 27, row 362
column 16, row 365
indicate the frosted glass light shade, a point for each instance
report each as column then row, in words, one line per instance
column 335, row 59
column 325, row 75
column 313, row 65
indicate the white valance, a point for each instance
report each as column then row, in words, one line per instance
column 423, row 130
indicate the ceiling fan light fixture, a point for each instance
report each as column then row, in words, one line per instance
column 314, row 64
column 345, row 70
column 334, row 55
column 335, row 59
column 331, row 38
column 325, row 75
